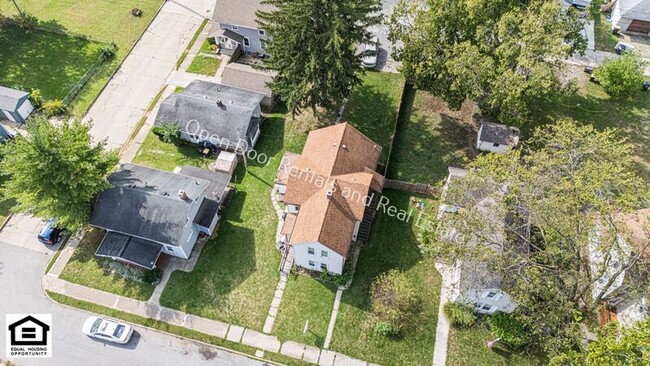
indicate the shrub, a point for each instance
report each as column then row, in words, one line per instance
column 53, row 107
column 623, row 76
column 460, row 314
column 509, row 329
column 107, row 52
column 394, row 301
column 152, row 277
column 135, row 274
column 338, row 280
column 168, row 132
column 36, row 97
column 26, row 21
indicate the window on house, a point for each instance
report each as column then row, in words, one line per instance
column 234, row 27
column 312, row 264
column 169, row 248
column 311, row 251
column 491, row 295
column 323, row 266
column 261, row 32
column 495, row 145
column 324, row 254
column 483, row 307
column 262, row 44
column 247, row 42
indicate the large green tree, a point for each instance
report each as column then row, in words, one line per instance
column 622, row 77
column 56, row 171
column 314, row 48
column 537, row 212
column 504, row 54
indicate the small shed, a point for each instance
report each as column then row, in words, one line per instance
column 497, row 138
column 14, row 105
column 226, row 162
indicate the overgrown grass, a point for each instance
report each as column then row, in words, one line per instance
column 105, row 21
column 86, row 269
column 603, row 37
column 189, row 45
column 305, row 299
column 393, row 245
column 468, row 346
column 204, row 65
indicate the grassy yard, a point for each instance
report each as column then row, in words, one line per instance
column 393, row 245
column 431, row 138
column 468, row 347
column 603, row 37
column 305, row 299
column 48, row 61
column 209, row 48
column 88, row 270
column 105, row 21
column 593, row 106
column 204, row 65
column 155, row 153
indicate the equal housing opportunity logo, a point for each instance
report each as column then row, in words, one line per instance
column 29, row 335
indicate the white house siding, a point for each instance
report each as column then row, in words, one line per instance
column 632, row 311
column 489, row 146
column 334, row 261
column 253, row 35
column 479, row 297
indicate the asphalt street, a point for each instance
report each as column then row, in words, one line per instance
column 21, row 270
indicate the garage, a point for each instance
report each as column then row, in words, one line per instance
column 639, row 26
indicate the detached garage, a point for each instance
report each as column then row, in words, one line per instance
column 632, row 16
column 14, row 105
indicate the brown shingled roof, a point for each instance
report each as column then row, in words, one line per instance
column 339, row 159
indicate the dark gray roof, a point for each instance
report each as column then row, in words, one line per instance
column 9, row 98
column 239, row 12
column 230, row 34
column 214, row 194
column 142, row 252
column 499, row 134
column 245, row 76
column 144, row 202
column 237, row 118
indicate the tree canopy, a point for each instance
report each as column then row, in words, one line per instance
column 55, row 171
column 537, row 214
column 622, row 77
column 314, row 48
column 503, row 54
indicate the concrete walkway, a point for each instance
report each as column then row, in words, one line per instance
column 448, row 292
column 335, row 313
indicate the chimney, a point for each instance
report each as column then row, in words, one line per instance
column 182, row 195
column 219, row 103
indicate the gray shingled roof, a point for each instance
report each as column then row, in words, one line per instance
column 235, row 119
column 138, row 251
column 144, row 202
column 230, row 34
column 239, row 12
column 9, row 98
column 245, row 76
column 214, row 193
column 499, row 134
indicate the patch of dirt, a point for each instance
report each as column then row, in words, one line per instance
column 207, row 353
column 307, row 120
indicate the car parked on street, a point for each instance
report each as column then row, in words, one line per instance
column 370, row 53
column 50, row 234
column 107, row 330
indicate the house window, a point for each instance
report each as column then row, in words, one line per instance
column 262, row 44
column 311, row 251
column 261, row 32
column 247, row 42
column 169, row 248
column 234, row 27
column 491, row 295
column 324, row 254
column 312, row 264
column 323, row 266
column 483, row 307
column 495, row 145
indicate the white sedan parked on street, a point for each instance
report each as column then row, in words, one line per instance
column 107, row 330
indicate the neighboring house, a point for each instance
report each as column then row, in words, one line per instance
column 247, row 77
column 235, row 27
column 476, row 284
column 632, row 16
column 330, row 191
column 148, row 212
column 226, row 116
column 631, row 238
column 497, row 138
column 14, row 105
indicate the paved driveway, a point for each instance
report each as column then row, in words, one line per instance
column 385, row 62
column 21, row 272
column 22, row 230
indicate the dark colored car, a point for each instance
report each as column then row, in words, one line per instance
column 50, row 234
column 645, row 85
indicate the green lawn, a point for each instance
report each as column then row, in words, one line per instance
column 305, row 299
column 209, row 48
column 468, row 347
column 48, row 61
column 393, row 244
column 603, row 37
column 204, row 65
column 86, row 269
column 430, row 139
column 104, row 21
column 155, row 153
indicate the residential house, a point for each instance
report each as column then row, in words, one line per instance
column 497, row 138
column 632, row 16
column 475, row 283
column 14, row 105
column 235, row 27
column 148, row 212
column 226, row 116
column 610, row 249
column 330, row 191
column 246, row 77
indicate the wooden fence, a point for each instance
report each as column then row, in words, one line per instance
column 420, row 188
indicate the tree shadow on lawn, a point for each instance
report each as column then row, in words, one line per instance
column 48, row 61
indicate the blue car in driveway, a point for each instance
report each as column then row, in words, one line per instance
column 50, row 234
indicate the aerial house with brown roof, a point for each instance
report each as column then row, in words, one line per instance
column 330, row 191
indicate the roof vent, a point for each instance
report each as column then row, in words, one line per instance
column 330, row 194
column 344, row 146
column 219, row 102
column 231, row 102
column 182, row 195
column 334, row 144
